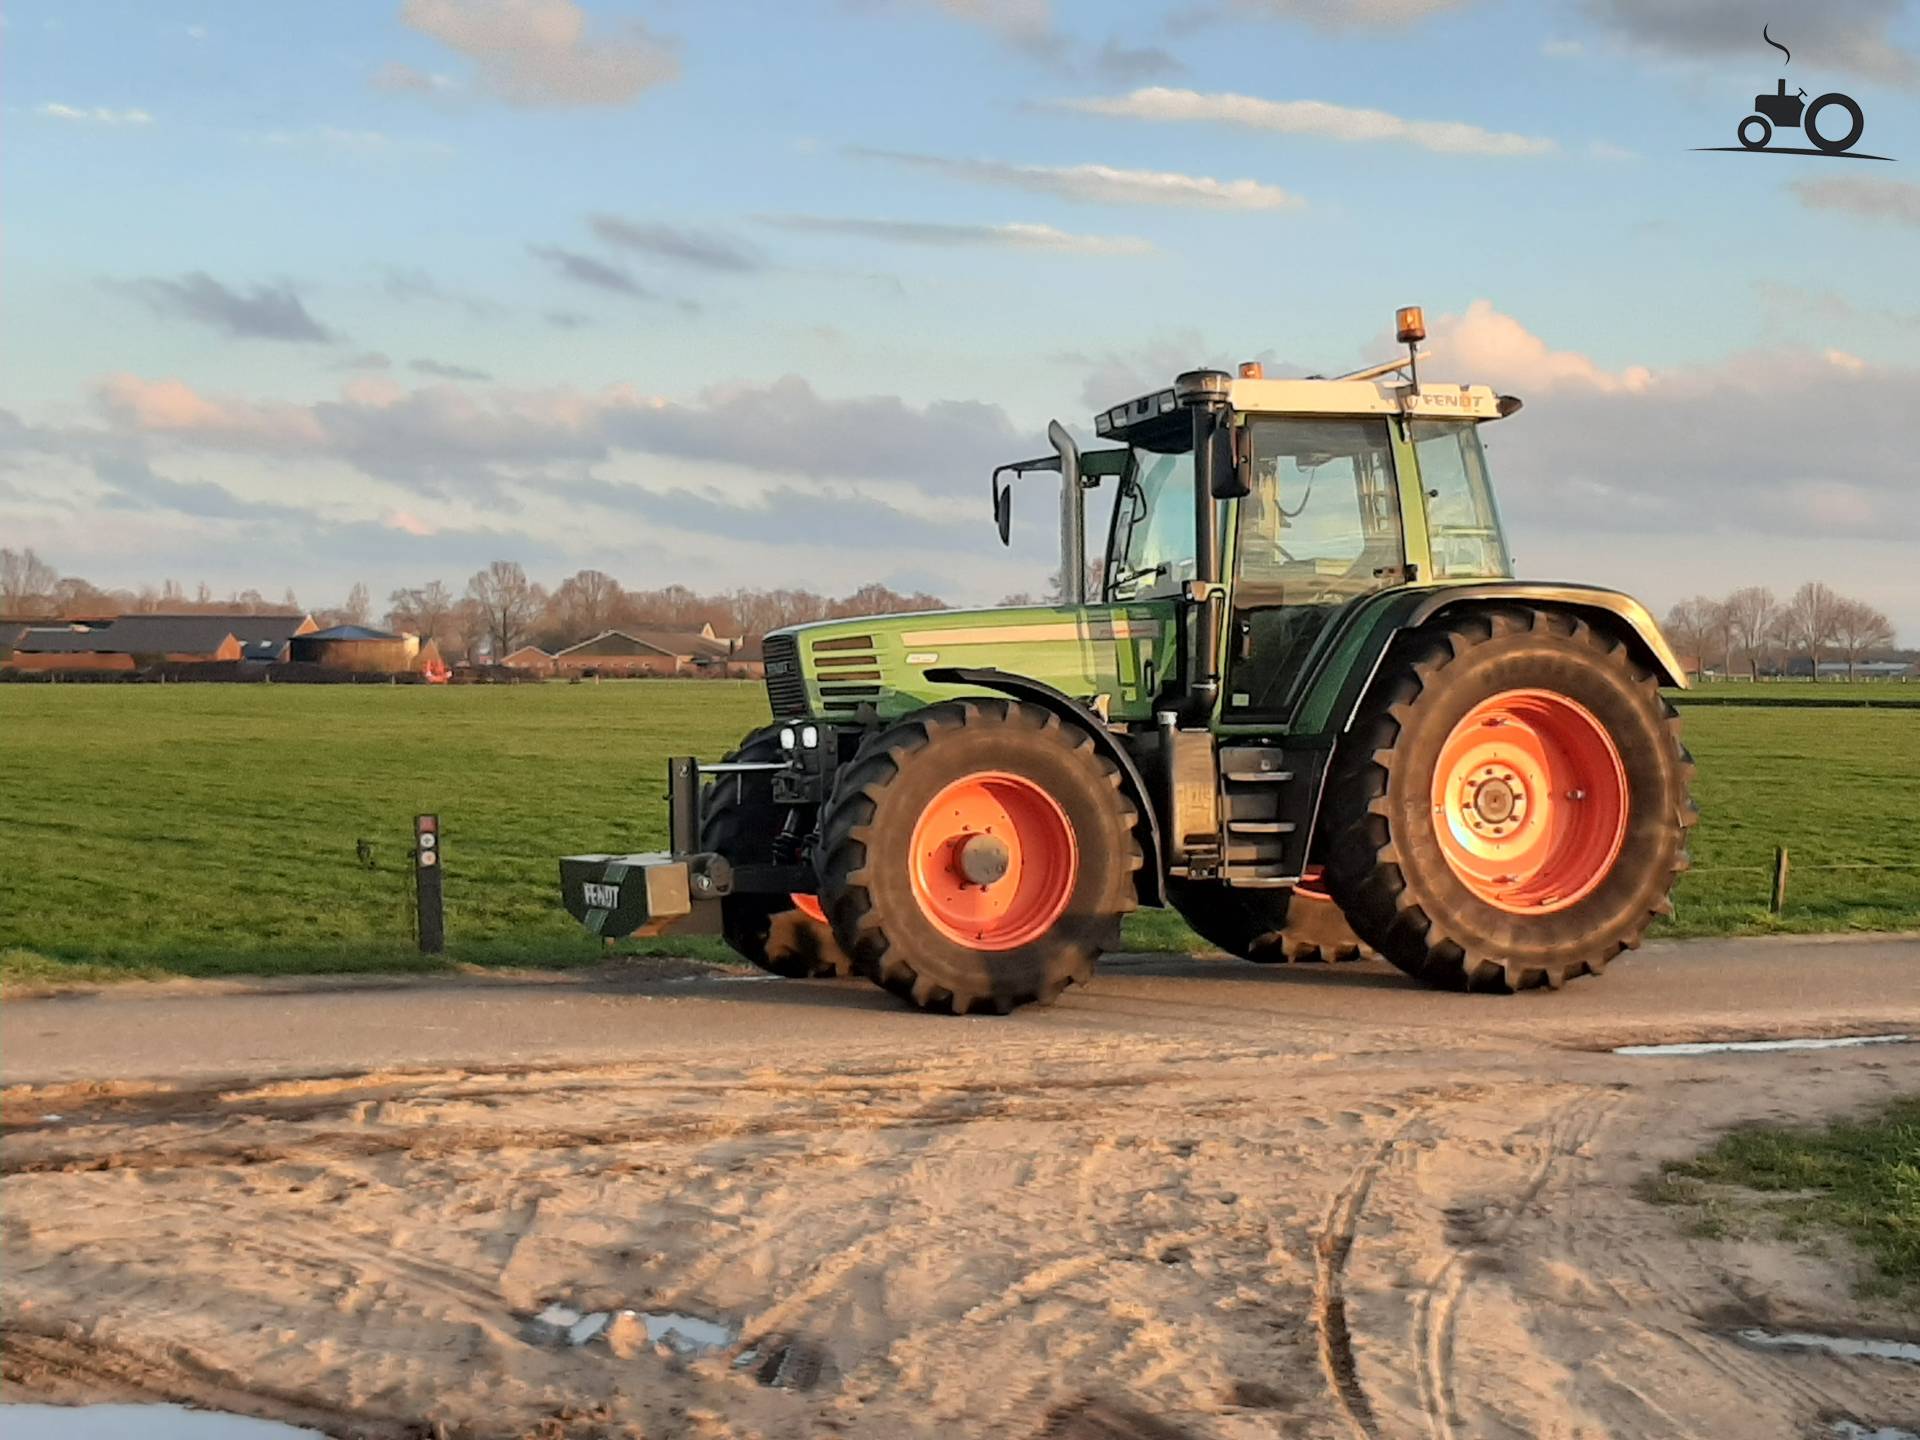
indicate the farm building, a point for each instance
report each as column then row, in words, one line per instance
column 530, row 658
column 134, row 642
column 365, row 650
column 647, row 652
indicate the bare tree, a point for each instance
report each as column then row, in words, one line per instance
column 26, row 583
column 1858, row 628
column 358, row 608
column 426, row 611
column 583, row 605
column 1698, row 626
column 1749, row 614
column 1809, row 619
column 508, row 603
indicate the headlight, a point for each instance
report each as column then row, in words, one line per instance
column 810, row 736
column 786, row 737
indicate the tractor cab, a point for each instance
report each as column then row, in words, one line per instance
column 1270, row 506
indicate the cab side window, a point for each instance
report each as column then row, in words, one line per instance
column 1462, row 524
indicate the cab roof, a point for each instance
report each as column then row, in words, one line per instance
column 1316, row 397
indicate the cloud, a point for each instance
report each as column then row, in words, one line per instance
column 567, row 319
column 589, row 270
column 1561, row 49
column 1022, row 24
column 344, row 141
column 265, row 312
column 1497, row 349
column 540, row 53
column 1101, row 184
column 1797, row 444
column 926, row 232
column 366, row 360
column 1347, row 14
column 447, row 372
column 1310, row 117
column 398, row 79
column 429, row 437
column 1127, row 64
column 409, row 284
column 1851, row 36
column 1896, row 201
column 174, row 408
column 92, row 115
column 699, row 249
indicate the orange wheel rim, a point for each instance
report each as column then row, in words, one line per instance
column 1530, row 801
column 1312, row 884
column 993, row 861
column 809, row 906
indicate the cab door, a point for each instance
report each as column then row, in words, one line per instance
column 1319, row 527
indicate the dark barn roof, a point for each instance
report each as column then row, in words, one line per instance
column 197, row 634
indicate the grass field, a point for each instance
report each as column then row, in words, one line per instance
column 1860, row 1177
column 209, row 830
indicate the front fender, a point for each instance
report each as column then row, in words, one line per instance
column 1347, row 667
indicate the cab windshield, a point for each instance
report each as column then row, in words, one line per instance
column 1150, row 549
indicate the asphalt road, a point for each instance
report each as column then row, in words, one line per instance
column 1712, row 990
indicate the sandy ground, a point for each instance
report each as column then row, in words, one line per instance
column 1194, row 1201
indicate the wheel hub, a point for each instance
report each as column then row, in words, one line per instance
column 981, row 859
column 1495, row 800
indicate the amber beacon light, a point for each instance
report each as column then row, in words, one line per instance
column 1410, row 326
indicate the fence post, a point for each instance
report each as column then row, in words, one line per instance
column 429, row 915
column 1779, row 904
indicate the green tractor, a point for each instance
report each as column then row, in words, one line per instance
column 1310, row 709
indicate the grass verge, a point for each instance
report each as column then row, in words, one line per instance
column 1858, row 1177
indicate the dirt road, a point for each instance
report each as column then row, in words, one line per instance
column 1196, row 1200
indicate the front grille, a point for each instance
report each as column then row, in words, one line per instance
column 839, row 665
column 786, row 686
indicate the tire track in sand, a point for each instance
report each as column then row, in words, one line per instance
column 1331, row 1249
column 1572, row 1126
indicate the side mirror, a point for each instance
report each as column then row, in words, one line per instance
column 1003, row 510
column 1234, row 480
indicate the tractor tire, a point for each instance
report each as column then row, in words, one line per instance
column 978, row 855
column 739, row 820
column 1511, row 802
column 1301, row 926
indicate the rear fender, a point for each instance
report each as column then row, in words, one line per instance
column 1151, row 880
column 1333, row 698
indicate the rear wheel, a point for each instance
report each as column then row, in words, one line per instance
column 1268, row 927
column 786, row 935
column 1511, row 804
column 978, row 856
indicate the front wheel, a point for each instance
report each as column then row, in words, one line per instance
column 1511, row 805
column 1755, row 132
column 978, row 856
column 785, row 935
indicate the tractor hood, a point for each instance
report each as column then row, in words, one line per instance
column 831, row 670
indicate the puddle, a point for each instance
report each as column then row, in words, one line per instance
column 683, row 1334
column 1849, row 1345
column 140, row 1422
column 1719, row 1047
column 1853, row 1430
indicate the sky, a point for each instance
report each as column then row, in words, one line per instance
column 756, row 294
